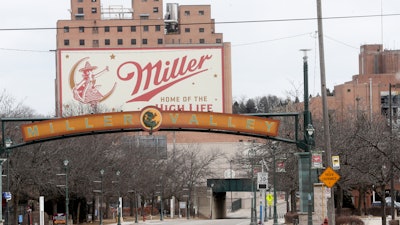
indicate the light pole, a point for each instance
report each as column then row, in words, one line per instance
column 253, row 205
column 137, row 207
column 230, row 182
column 101, row 197
column 119, row 199
column 274, row 181
column 135, row 200
column 161, row 200
column 305, row 175
column 310, row 131
column 8, row 142
column 66, row 191
column 188, row 204
column 1, row 210
column 211, row 200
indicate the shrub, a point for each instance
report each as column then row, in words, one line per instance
column 290, row 216
column 349, row 220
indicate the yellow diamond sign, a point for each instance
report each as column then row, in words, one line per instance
column 329, row 177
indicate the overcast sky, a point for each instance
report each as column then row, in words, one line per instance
column 266, row 37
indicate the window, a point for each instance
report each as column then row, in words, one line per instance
column 201, row 30
column 144, row 41
column 144, row 0
column 95, row 30
column 66, row 42
column 160, row 41
column 81, row 29
column 94, row 0
column 120, row 42
column 94, row 10
column 133, row 41
column 107, row 42
column 119, row 28
column 80, row 10
column 219, row 40
column 155, row 9
column 201, row 41
column 133, row 28
column 187, row 13
column 201, row 12
column 158, row 27
column 187, row 30
column 145, row 28
column 106, row 29
column 81, row 42
column 96, row 43
column 66, row 29
column 144, row 17
column 79, row 17
column 80, row 0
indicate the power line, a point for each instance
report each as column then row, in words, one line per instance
column 271, row 40
column 221, row 23
column 22, row 50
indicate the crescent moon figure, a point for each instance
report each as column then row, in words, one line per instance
column 72, row 73
column 86, row 90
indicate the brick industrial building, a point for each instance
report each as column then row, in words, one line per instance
column 143, row 25
column 368, row 91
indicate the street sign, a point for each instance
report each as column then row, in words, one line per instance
column 7, row 195
column 329, row 177
column 316, row 160
column 262, row 180
column 270, row 198
column 335, row 162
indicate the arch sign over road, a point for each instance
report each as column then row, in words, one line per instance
column 149, row 119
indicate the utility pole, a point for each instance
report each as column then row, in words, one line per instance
column 327, row 138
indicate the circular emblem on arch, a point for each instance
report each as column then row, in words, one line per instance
column 150, row 118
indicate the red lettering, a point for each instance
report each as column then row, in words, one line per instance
column 152, row 79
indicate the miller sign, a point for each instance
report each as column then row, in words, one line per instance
column 173, row 79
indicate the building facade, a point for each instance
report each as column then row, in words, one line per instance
column 144, row 25
column 368, row 91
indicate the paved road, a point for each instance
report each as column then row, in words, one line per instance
column 240, row 217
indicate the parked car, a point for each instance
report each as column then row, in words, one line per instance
column 389, row 202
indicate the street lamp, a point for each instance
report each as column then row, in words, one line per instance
column 230, row 182
column 119, row 200
column 274, row 172
column 1, row 185
column 310, row 131
column 211, row 200
column 137, row 207
column 135, row 199
column 66, row 191
column 306, row 186
column 101, row 197
column 251, row 154
column 161, row 200
column 7, row 143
